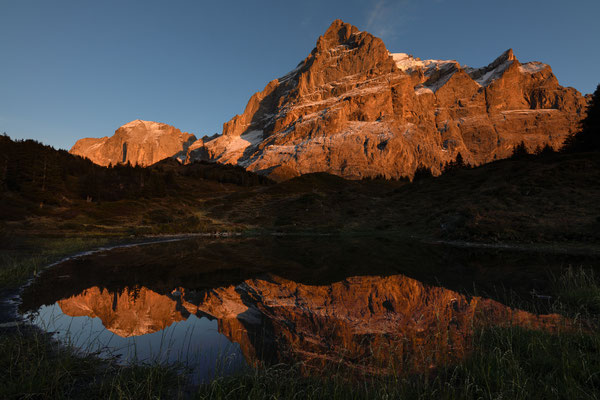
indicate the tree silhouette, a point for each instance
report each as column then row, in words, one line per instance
column 520, row 151
column 421, row 173
column 588, row 138
column 45, row 176
column 547, row 150
column 457, row 164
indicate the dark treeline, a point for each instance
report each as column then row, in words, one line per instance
column 588, row 138
column 519, row 152
column 223, row 173
column 43, row 174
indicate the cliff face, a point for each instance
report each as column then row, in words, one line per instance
column 368, row 323
column 138, row 142
column 353, row 109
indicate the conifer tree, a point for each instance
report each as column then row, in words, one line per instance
column 458, row 163
column 520, row 151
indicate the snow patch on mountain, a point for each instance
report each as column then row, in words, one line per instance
column 532, row 67
column 408, row 63
column 488, row 77
column 244, row 141
column 438, row 72
column 419, row 90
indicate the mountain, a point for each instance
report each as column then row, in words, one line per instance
column 354, row 109
column 138, row 142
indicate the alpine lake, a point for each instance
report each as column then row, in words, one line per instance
column 370, row 304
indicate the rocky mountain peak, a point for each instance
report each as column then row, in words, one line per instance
column 339, row 33
column 135, row 122
column 138, row 142
column 508, row 55
column 484, row 76
column 342, row 51
column 353, row 109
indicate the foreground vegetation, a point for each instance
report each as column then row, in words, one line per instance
column 34, row 366
column 22, row 258
column 506, row 363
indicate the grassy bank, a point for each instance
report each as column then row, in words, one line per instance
column 21, row 258
column 506, row 363
column 34, row 366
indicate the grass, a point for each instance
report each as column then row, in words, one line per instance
column 578, row 289
column 23, row 260
column 34, row 366
column 511, row 363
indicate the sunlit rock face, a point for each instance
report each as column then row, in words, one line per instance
column 372, row 324
column 353, row 109
column 139, row 143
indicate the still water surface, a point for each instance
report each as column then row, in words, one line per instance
column 370, row 304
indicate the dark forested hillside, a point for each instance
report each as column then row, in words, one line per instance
column 542, row 197
column 40, row 182
column 41, row 173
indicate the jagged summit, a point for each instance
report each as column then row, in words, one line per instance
column 438, row 72
column 339, row 33
column 354, row 109
column 508, row 55
column 486, row 75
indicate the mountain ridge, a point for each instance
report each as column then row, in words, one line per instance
column 138, row 142
column 348, row 106
column 354, row 109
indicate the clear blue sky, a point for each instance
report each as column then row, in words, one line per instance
column 82, row 68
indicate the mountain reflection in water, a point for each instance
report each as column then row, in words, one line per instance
column 367, row 323
column 363, row 322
